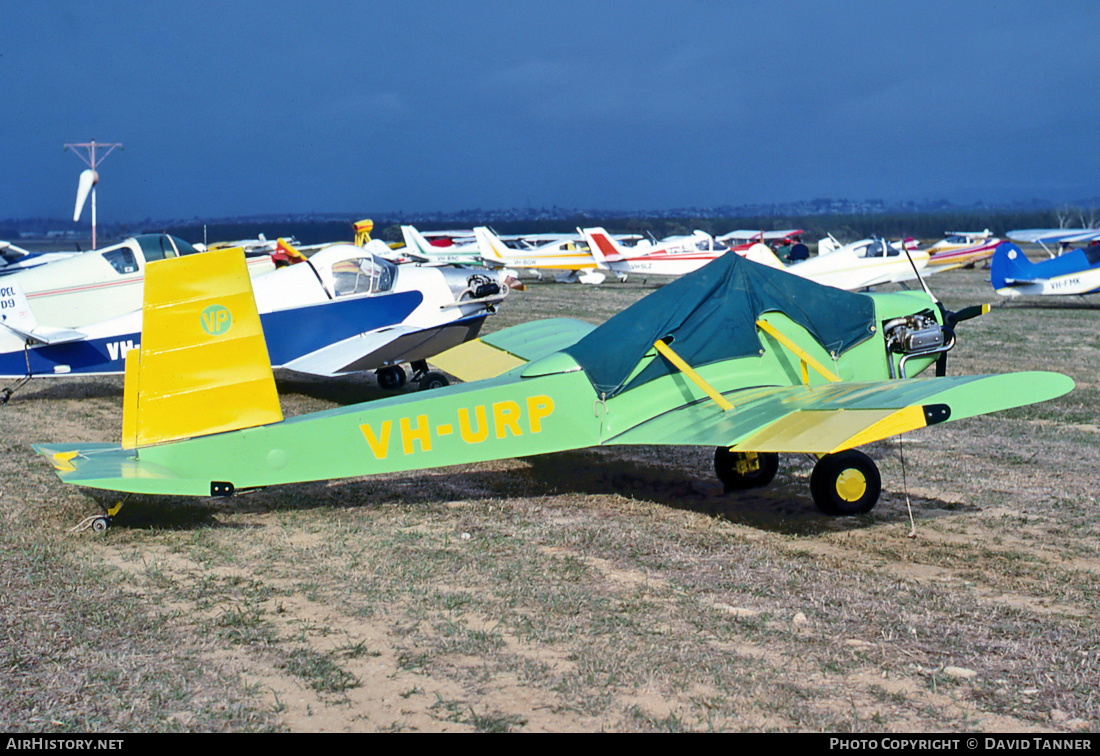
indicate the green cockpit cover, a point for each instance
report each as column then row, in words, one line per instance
column 711, row 315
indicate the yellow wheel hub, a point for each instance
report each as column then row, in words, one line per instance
column 851, row 485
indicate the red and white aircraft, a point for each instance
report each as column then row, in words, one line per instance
column 962, row 248
column 673, row 256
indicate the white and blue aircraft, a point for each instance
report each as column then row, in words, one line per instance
column 345, row 309
column 1075, row 272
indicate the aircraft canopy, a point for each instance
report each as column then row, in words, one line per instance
column 711, row 316
column 160, row 246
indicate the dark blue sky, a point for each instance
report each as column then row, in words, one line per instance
column 366, row 107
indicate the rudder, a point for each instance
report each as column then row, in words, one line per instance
column 1009, row 265
column 203, row 365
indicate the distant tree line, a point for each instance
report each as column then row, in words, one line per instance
column 919, row 225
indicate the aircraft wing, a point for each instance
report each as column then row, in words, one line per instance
column 1053, row 235
column 335, row 359
column 833, row 417
column 386, row 346
column 47, row 334
column 17, row 315
column 499, row 352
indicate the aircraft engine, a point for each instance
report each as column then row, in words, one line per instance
column 913, row 334
column 466, row 284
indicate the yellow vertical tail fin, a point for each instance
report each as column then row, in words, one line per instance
column 203, row 365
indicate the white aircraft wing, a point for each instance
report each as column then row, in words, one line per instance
column 337, row 358
column 387, row 346
column 17, row 316
column 47, row 334
column 1053, row 235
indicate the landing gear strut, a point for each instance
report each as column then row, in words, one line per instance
column 7, row 391
column 429, row 379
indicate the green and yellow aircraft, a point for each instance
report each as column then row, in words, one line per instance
column 738, row 356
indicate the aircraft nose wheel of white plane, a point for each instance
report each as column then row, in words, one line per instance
column 428, row 379
column 845, row 483
column 391, row 377
column 433, row 380
column 741, row 470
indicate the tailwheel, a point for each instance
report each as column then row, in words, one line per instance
column 845, row 483
column 391, row 377
column 741, row 470
column 99, row 523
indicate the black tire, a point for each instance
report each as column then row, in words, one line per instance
column 846, row 483
column 726, row 463
column 391, row 378
column 433, row 380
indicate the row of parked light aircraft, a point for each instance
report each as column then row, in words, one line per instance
column 593, row 254
column 70, row 313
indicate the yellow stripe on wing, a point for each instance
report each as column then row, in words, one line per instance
column 475, row 360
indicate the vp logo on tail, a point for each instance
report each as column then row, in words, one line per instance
column 216, row 320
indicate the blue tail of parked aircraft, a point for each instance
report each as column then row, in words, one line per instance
column 1009, row 266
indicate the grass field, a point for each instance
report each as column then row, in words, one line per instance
column 610, row 589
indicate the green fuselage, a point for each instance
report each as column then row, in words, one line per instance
column 546, row 405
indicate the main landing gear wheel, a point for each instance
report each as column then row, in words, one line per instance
column 845, row 483
column 391, row 378
column 433, row 380
column 741, row 470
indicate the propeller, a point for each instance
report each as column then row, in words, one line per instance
column 88, row 179
column 966, row 313
column 950, row 320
